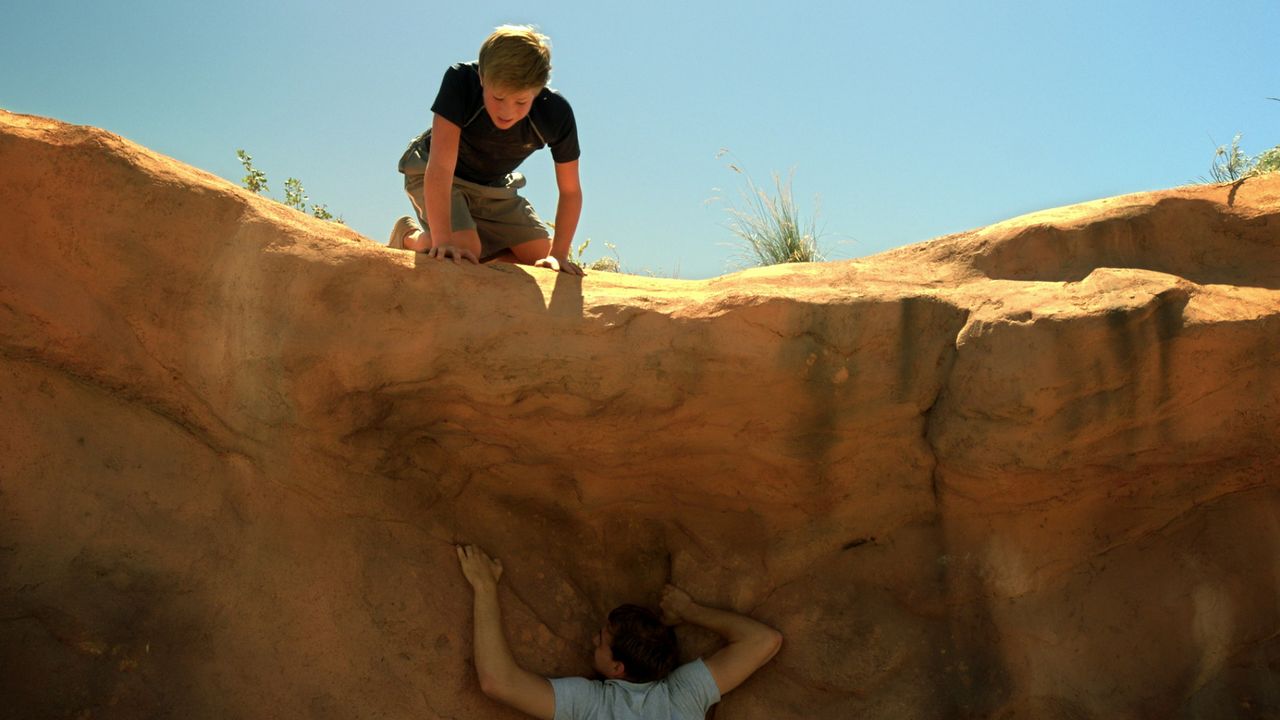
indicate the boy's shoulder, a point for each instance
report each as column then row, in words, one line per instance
column 471, row 67
column 465, row 72
column 551, row 100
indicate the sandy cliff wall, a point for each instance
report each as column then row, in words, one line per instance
column 1026, row 471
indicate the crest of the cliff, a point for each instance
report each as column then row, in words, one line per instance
column 1024, row 471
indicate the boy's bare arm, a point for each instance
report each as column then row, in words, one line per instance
column 437, row 188
column 751, row 643
column 568, row 209
column 500, row 677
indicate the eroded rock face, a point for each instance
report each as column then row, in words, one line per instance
column 1026, row 471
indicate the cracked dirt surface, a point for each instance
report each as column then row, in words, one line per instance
column 1024, row 471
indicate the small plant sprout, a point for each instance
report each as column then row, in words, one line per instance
column 295, row 196
column 604, row 264
column 255, row 180
column 1229, row 164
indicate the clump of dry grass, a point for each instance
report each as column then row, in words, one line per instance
column 770, row 227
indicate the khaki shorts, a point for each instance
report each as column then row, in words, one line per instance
column 498, row 214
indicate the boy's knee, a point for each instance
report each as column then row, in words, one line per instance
column 531, row 251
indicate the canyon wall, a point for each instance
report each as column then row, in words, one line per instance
column 1027, row 471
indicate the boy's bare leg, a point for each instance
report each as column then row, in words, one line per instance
column 526, row 253
column 530, row 252
column 534, row 252
column 504, row 256
column 417, row 241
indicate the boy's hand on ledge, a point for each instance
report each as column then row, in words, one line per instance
column 554, row 263
column 675, row 604
column 482, row 571
column 440, row 252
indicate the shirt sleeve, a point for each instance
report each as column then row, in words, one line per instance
column 578, row 697
column 563, row 135
column 454, row 96
column 693, row 689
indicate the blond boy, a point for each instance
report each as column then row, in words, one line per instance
column 490, row 115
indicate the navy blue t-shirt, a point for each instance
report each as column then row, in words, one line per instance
column 486, row 154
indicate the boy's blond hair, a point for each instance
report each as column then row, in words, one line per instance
column 516, row 57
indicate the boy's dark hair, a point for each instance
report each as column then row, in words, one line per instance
column 645, row 647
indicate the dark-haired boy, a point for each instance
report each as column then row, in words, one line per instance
column 635, row 653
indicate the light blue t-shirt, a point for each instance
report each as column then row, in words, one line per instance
column 685, row 694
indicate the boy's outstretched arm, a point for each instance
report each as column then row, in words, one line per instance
column 568, row 212
column 751, row 643
column 500, row 677
column 437, row 189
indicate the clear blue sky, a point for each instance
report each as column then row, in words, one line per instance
column 909, row 120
